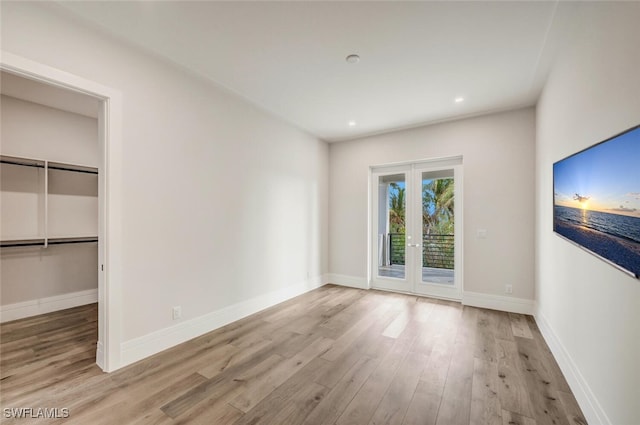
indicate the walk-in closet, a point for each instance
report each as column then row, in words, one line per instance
column 49, row 159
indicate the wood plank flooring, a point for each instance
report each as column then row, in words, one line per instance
column 332, row 356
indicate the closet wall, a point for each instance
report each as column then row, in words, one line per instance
column 36, row 279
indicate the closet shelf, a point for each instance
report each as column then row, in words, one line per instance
column 21, row 242
column 72, row 167
column 4, row 159
column 50, row 241
column 27, row 162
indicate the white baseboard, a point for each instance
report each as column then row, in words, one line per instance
column 591, row 408
column 351, row 281
column 498, row 302
column 474, row 299
column 47, row 305
column 147, row 345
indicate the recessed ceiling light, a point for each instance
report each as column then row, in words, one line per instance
column 352, row 123
column 353, row 58
column 459, row 99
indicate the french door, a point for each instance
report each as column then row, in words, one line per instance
column 416, row 230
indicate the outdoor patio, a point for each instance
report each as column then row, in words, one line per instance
column 429, row 274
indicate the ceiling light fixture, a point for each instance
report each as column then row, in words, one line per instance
column 352, row 123
column 353, row 58
column 459, row 99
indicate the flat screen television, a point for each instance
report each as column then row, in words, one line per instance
column 596, row 200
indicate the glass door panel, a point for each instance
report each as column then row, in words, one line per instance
column 392, row 204
column 391, row 219
column 438, row 268
column 438, row 227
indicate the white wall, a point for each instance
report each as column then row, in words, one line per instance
column 34, row 275
column 498, row 161
column 36, row 131
column 589, row 309
column 222, row 203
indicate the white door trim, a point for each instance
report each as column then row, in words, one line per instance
column 109, row 193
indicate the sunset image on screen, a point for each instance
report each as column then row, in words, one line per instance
column 597, row 199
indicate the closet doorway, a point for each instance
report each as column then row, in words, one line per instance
column 64, row 183
column 416, row 228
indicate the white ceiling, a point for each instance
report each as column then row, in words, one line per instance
column 289, row 57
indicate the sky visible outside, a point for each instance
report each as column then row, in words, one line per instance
column 603, row 178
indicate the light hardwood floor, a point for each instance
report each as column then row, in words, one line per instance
column 332, row 356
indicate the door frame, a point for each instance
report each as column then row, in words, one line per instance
column 411, row 281
column 109, row 196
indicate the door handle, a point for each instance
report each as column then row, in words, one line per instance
column 417, row 245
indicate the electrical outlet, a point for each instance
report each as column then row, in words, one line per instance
column 508, row 289
column 176, row 312
column 482, row 234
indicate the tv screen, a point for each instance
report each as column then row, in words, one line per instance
column 596, row 195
